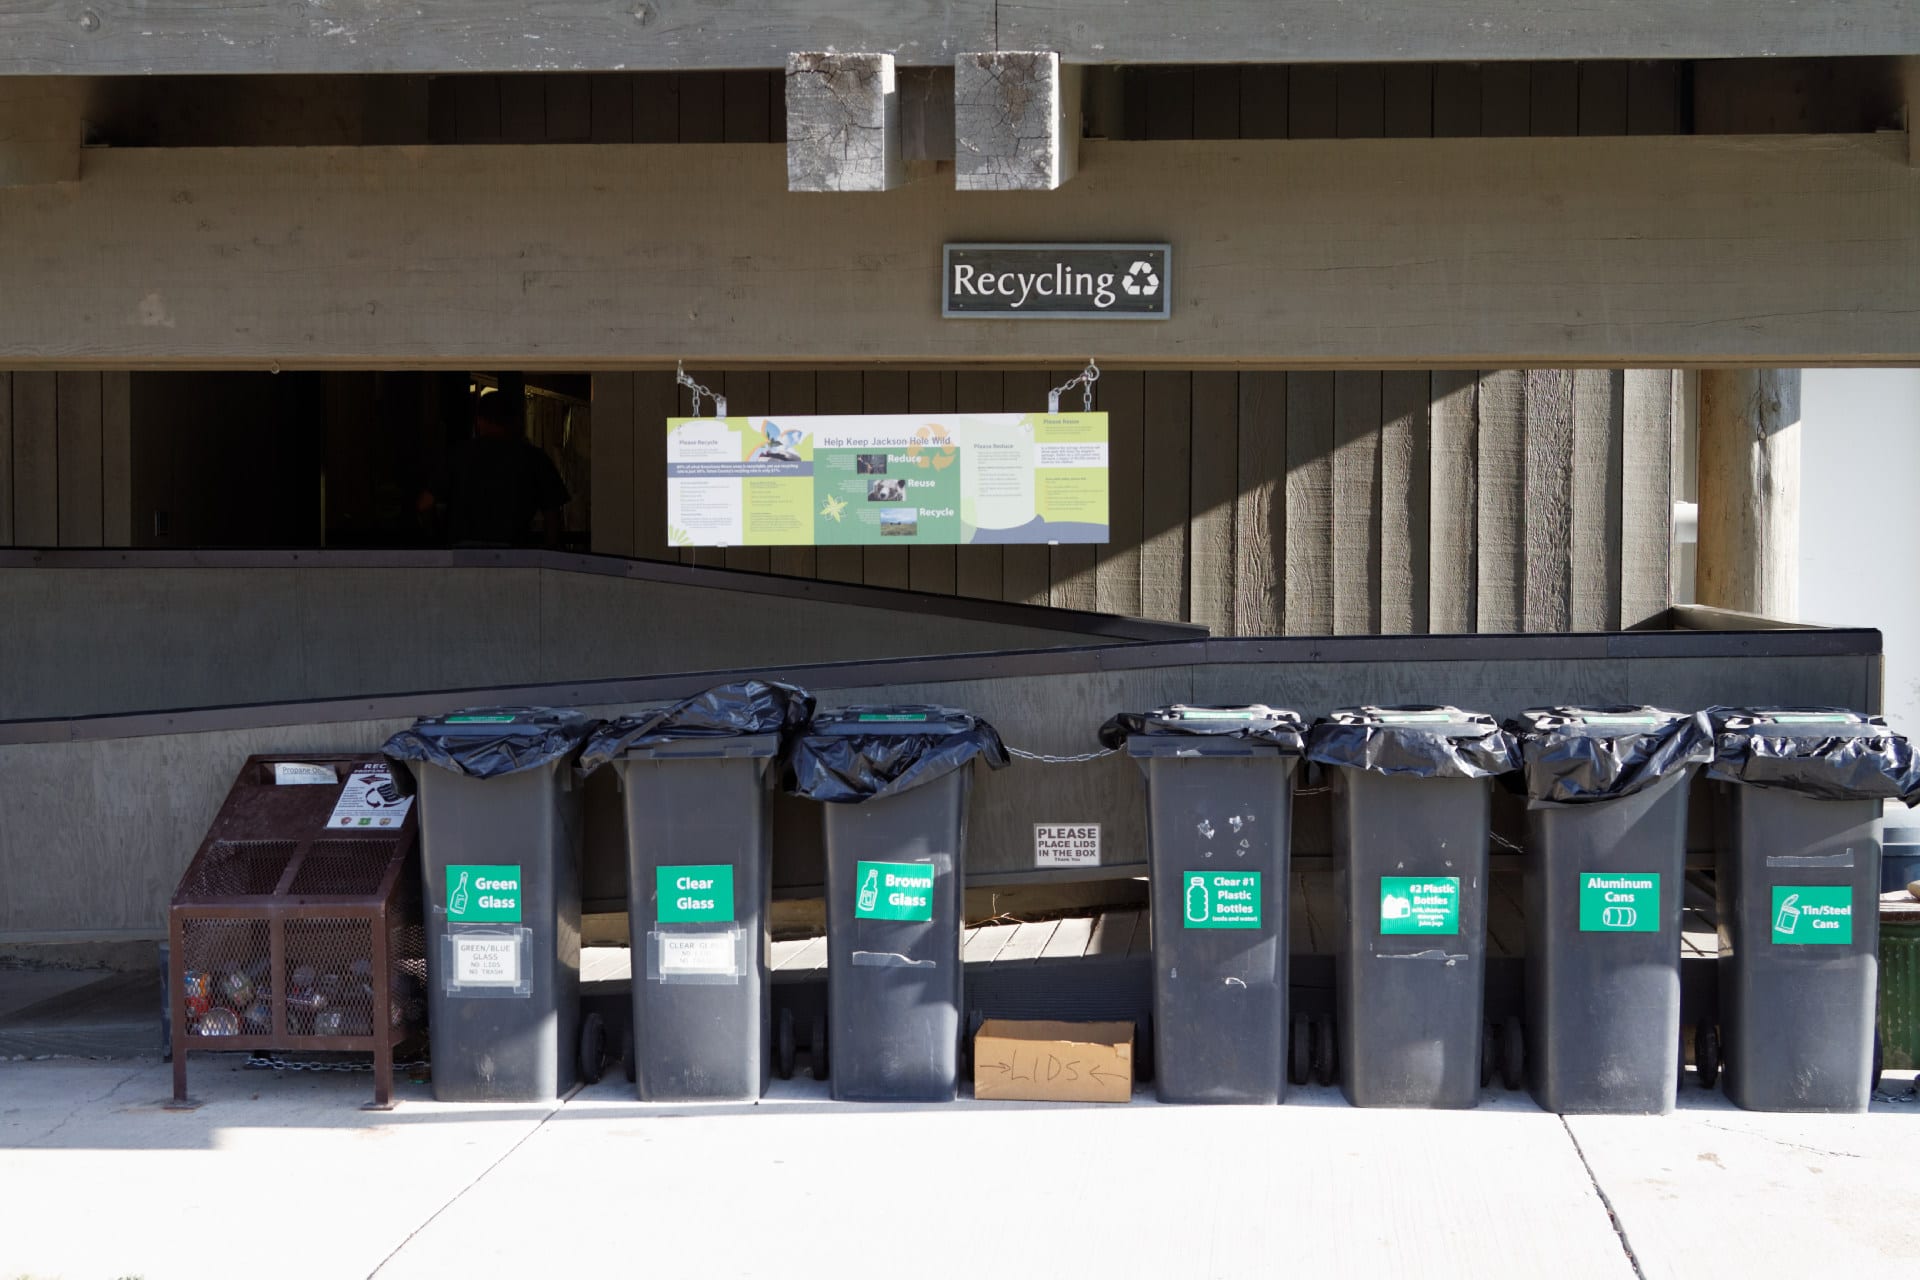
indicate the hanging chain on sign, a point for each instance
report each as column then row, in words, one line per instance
column 1040, row 758
column 699, row 392
column 1084, row 380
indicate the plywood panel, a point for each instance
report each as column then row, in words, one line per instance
column 1263, row 101
column 1454, row 512
column 1212, row 495
column 116, row 460
column 792, row 392
column 1216, row 103
column 839, row 391
column 1356, row 503
column 1646, row 585
column 1594, row 541
column 1163, row 549
column 655, row 399
column 523, row 108
column 653, row 107
column 1122, row 396
column 1360, row 101
column 1603, row 98
column 1026, row 570
column 79, row 466
column 1506, row 99
column 1653, row 97
column 612, row 477
column 36, row 460
column 1169, row 102
column 1409, row 93
column 569, row 109
column 1312, row 102
column 1309, row 504
column 977, row 570
column 702, row 106
column 1501, row 491
column 1405, row 492
column 747, row 105
column 1554, row 100
column 1260, row 515
column 1546, row 511
column 1456, row 100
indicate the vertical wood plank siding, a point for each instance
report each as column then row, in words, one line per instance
column 66, row 457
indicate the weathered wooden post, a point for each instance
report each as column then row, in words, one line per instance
column 843, row 122
column 1016, row 121
column 1750, row 491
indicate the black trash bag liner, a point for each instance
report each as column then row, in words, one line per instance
column 738, row 710
column 1576, row 755
column 854, row 754
column 1828, row 753
column 492, row 742
column 1252, row 723
column 1413, row 742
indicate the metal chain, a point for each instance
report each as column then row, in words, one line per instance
column 1041, row 758
column 1084, row 380
column 268, row 1063
column 699, row 392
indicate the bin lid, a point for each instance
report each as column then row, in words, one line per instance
column 1413, row 741
column 491, row 742
column 853, row 754
column 1576, row 755
column 1255, row 722
column 1828, row 753
column 742, row 709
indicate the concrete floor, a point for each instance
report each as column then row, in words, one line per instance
column 282, row 1174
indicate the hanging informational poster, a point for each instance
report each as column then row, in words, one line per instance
column 887, row 479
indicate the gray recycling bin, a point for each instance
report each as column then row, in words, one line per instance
column 500, row 853
column 894, row 781
column 1220, row 819
column 1605, row 877
column 696, row 779
column 1411, row 804
column 1797, row 837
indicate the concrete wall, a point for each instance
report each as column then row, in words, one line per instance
column 84, row 638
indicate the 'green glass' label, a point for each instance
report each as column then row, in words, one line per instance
column 894, row 891
column 1220, row 899
column 1217, row 713
column 1420, row 904
column 483, row 892
column 479, row 719
column 1619, row 902
column 1812, row 914
column 688, row 895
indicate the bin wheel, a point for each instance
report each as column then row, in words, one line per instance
column 1706, row 1054
column 629, row 1063
column 1300, row 1051
column 593, row 1048
column 817, row 1047
column 783, row 1052
column 1875, row 1086
column 1143, row 1050
column 1489, row 1052
column 1326, row 1051
column 1513, row 1054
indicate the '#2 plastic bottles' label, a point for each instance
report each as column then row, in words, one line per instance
column 1220, row 899
column 1812, row 914
column 1420, row 904
column 894, row 891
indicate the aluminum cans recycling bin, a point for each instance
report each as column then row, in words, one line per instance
column 1411, row 805
column 697, row 779
column 1605, row 878
column 500, row 852
column 894, row 781
column 1797, row 831
column 1220, row 821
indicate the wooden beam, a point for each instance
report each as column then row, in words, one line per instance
column 1016, row 121
column 40, row 129
column 134, row 37
column 1750, row 491
column 1479, row 252
column 843, row 122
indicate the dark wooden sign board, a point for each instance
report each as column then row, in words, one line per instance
column 1057, row 281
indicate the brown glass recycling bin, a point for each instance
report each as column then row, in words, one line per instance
column 297, row 925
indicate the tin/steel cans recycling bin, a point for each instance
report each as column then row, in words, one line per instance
column 1411, row 804
column 500, row 853
column 1220, row 821
column 895, row 788
column 1797, row 834
column 696, row 779
column 1605, row 878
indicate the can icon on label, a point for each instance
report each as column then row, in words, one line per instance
column 1619, row 917
column 1789, row 917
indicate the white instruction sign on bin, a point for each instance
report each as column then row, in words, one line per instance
column 1060, row 844
column 690, row 954
column 370, row 801
column 486, row 961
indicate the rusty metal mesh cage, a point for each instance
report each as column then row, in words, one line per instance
column 353, row 867
column 330, row 981
column 239, row 868
column 223, row 978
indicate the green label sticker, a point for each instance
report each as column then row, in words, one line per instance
column 1420, row 904
column 490, row 892
column 1604, row 719
column 1807, row 719
column 892, row 719
column 689, row 895
column 1619, row 902
column 479, row 720
column 1218, row 713
column 894, row 891
column 1414, row 717
column 1812, row 914
column 1220, row 899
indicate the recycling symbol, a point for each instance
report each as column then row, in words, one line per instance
column 1140, row 281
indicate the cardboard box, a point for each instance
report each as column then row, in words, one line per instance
column 1053, row 1061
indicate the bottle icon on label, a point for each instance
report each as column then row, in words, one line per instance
column 1394, row 906
column 870, row 890
column 1196, row 901
column 1789, row 918
column 457, row 900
